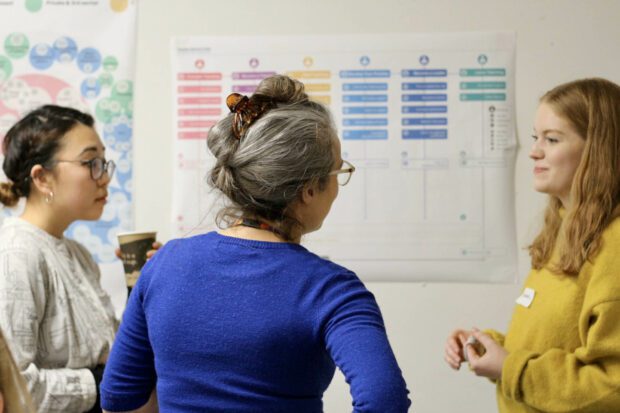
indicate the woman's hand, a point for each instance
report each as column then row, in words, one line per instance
column 491, row 363
column 454, row 348
column 156, row 245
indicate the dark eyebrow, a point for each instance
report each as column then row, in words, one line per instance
column 90, row 149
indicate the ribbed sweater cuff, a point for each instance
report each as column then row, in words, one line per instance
column 512, row 373
column 495, row 335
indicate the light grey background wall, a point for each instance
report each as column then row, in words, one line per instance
column 557, row 41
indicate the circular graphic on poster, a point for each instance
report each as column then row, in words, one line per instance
column 65, row 49
column 16, row 45
column 42, row 56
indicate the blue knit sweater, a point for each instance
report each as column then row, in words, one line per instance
column 222, row 324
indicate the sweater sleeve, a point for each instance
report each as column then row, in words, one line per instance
column 22, row 306
column 496, row 336
column 584, row 381
column 129, row 377
column 587, row 379
column 356, row 339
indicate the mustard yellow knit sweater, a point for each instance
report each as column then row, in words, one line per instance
column 565, row 347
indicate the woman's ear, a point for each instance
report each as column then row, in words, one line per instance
column 40, row 178
column 309, row 192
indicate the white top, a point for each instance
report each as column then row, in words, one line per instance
column 55, row 315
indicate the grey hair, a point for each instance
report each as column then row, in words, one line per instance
column 264, row 172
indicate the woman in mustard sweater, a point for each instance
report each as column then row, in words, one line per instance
column 562, row 349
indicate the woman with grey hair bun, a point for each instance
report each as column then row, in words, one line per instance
column 246, row 319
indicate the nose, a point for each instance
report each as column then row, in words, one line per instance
column 105, row 179
column 536, row 151
column 108, row 169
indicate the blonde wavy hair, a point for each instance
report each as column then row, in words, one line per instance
column 12, row 385
column 592, row 107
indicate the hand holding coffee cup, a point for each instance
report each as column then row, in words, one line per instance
column 149, row 254
column 134, row 247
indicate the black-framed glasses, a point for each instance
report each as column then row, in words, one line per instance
column 97, row 167
column 343, row 175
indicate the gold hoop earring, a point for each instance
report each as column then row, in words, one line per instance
column 49, row 198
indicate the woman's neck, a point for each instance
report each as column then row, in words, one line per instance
column 42, row 216
column 253, row 234
column 258, row 230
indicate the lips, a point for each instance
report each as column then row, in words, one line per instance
column 538, row 170
column 102, row 198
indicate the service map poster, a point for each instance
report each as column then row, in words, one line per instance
column 77, row 53
column 427, row 119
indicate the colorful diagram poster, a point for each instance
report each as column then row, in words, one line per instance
column 427, row 119
column 77, row 53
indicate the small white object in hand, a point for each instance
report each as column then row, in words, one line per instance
column 471, row 340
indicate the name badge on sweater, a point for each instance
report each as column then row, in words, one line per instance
column 526, row 298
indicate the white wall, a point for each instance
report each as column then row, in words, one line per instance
column 557, row 41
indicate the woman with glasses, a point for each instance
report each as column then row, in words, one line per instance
column 56, row 317
column 246, row 319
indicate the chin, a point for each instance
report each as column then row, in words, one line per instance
column 541, row 188
column 94, row 215
column 314, row 228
